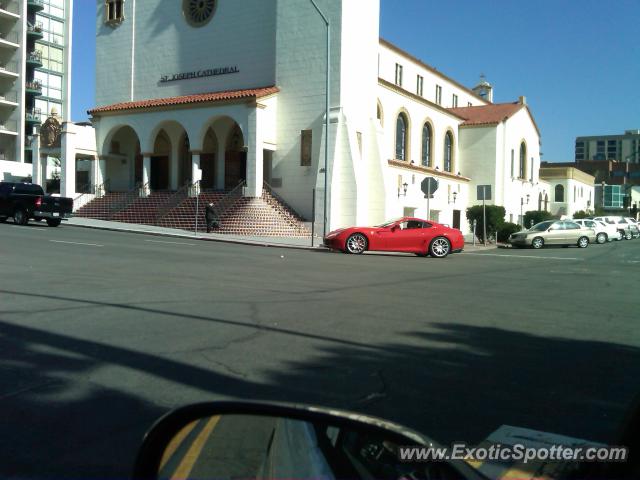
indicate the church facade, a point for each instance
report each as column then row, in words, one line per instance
column 220, row 93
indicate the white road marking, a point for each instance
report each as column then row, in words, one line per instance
column 171, row 243
column 77, row 243
column 479, row 254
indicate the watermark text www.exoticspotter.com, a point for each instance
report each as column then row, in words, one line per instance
column 513, row 453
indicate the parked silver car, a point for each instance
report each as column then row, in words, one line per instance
column 623, row 226
column 554, row 232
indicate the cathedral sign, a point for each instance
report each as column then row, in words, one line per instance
column 211, row 72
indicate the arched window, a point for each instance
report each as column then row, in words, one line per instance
column 523, row 160
column 426, row 145
column 402, row 139
column 379, row 114
column 559, row 194
column 546, row 202
column 448, row 152
column 539, row 201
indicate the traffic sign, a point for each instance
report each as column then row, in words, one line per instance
column 429, row 185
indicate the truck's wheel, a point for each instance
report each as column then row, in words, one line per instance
column 53, row 222
column 20, row 217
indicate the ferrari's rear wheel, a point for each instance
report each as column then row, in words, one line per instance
column 357, row 243
column 440, row 247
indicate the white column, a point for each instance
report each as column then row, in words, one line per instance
column 174, row 165
column 220, row 163
column 196, row 171
column 146, row 175
column 68, row 162
column 101, row 170
column 36, row 167
column 255, row 164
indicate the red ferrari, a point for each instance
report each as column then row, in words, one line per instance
column 407, row 234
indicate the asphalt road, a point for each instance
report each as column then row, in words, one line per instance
column 102, row 332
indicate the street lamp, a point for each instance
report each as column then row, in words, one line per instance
column 522, row 208
column 455, row 195
column 404, row 187
column 326, row 116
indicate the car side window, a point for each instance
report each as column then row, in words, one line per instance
column 571, row 226
column 591, row 224
column 413, row 224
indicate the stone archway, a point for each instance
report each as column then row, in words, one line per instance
column 122, row 160
column 159, row 176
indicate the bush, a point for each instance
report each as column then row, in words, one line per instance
column 582, row 214
column 507, row 229
column 495, row 219
column 536, row 216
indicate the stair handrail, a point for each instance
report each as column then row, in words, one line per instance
column 283, row 204
column 229, row 200
column 102, row 189
column 172, row 202
column 83, row 199
column 130, row 197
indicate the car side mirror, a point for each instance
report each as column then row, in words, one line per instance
column 394, row 228
column 269, row 440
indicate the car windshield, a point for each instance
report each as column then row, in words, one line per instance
column 541, row 227
column 389, row 223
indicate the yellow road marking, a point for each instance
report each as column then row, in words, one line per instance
column 175, row 443
column 189, row 460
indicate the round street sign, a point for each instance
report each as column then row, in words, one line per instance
column 429, row 185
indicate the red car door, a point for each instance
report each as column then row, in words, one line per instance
column 406, row 237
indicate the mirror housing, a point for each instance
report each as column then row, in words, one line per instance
column 167, row 438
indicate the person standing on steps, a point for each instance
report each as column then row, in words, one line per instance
column 210, row 215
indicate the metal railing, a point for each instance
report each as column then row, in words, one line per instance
column 229, row 200
column 9, row 67
column 10, row 6
column 172, row 202
column 11, row 96
column 282, row 205
column 37, row 3
column 34, row 27
column 34, row 56
column 130, row 197
column 9, row 37
column 9, row 126
column 33, row 85
column 33, row 115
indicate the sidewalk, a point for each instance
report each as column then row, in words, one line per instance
column 284, row 242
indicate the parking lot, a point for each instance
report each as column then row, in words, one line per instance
column 102, row 332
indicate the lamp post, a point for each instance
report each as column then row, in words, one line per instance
column 326, row 116
column 604, row 184
column 522, row 209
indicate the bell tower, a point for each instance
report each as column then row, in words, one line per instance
column 484, row 89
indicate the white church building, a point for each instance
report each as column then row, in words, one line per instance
column 221, row 92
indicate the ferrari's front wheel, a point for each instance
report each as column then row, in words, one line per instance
column 357, row 243
column 440, row 247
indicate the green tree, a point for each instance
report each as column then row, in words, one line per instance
column 495, row 219
column 582, row 214
column 507, row 229
column 536, row 216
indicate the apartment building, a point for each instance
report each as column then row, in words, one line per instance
column 619, row 148
column 35, row 76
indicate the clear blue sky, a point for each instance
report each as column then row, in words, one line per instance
column 576, row 61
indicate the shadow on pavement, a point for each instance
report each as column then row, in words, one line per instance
column 450, row 381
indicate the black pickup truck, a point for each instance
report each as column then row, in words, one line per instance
column 23, row 201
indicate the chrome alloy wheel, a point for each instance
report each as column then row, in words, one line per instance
column 356, row 243
column 440, row 247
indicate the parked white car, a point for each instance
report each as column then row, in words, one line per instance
column 621, row 224
column 632, row 221
column 604, row 231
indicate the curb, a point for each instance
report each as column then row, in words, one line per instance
column 204, row 239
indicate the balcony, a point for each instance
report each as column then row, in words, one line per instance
column 33, row 87
column 9, row 70
column 9, row 100
column 33, row 116
column 35, row 6
column 34, row 59
column 9, row 9
column 8, row 127
column 35, row 31
column 9, row 40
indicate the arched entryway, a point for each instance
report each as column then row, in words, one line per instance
column 235, row 161
column 122, row 156
column 159, row 174
column 208, row 160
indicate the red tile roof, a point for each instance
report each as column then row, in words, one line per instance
column 188, row 99
column 487, row 114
